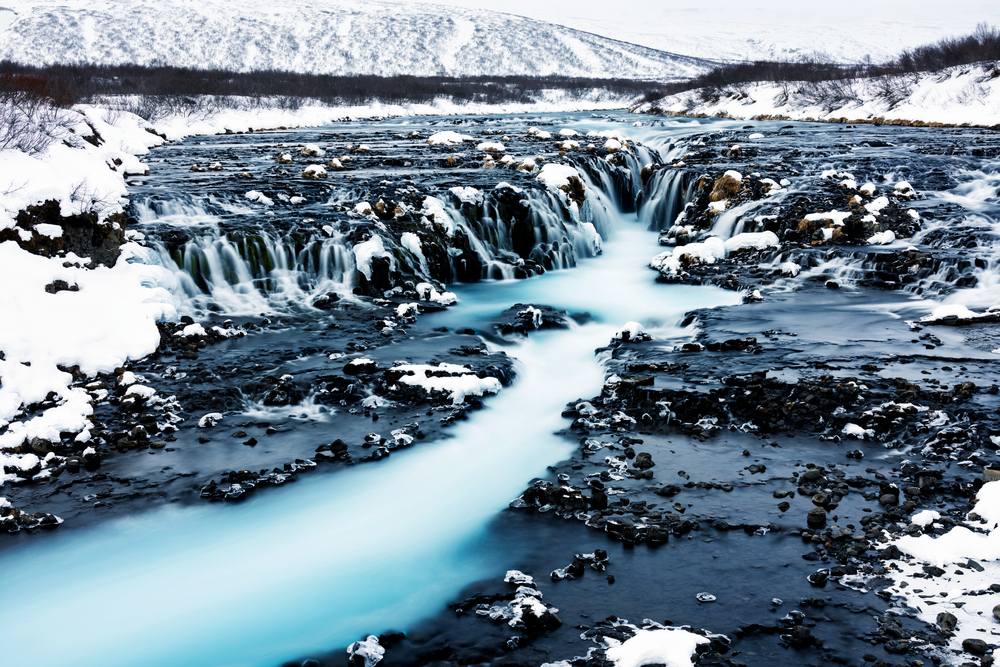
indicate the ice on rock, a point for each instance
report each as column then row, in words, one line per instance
column 427, row 292
column 491, row 147
column 519, row 578
column 468, row 194
column 314, row 171
column 705, row 252
column 367, row 653
column 953, row 310
column 49, row 230
column 757, row 240
column 673, row 647
column 365, row 252
column 407, row 310
column 259, row 197
column 925, row 518
column 209, row 420
column 448, row 138
column 460, row 383
column 556, row 175
column 858, row 432
column 877, row 205
column 790, row 269
column 140, row 390
column 191, row 330
column 882, row 238
column 312, row 150
column 632, row 331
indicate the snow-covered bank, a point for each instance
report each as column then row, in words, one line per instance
column 178, row 126
column 952, row 577
column 956, row 96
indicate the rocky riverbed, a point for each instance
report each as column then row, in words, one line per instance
column 809, row 378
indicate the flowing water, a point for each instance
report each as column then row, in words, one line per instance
column 321, row 563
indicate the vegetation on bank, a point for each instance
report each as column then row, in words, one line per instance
column 833, row 81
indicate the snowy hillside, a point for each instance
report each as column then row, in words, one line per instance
column 844, row 31
column 968, row 94
column 320, row 37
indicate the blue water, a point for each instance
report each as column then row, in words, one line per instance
column 324, row 562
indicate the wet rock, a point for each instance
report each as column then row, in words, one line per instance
column 643, row 461
column 946, row 623
column 816, row 517
column 975, row 646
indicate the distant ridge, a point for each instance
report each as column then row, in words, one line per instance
column 322, row 37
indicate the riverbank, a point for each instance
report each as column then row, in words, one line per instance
column 966, row 96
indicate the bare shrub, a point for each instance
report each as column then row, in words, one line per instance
column 32, row 112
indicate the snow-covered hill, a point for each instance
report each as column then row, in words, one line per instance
column 844, row 31
column 321, row 37
column 967, row 94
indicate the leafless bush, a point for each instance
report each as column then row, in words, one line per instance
column 32, row 113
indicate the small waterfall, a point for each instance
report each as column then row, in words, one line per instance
column 241, row 274
column 666, row 193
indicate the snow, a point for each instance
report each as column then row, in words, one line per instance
column 435, row 209
column 953, row 310
column 556, row 175
column 672, row 647
column 462, row 382
column 210, row 419
column 790, row 269
column 256, row 196
column 467, row 194
column 966, row 94
column 517, row 577
column 427, row 292
column 705, row 252
column 72, row 171
column 958, row 591
column 448, row 138
column 111, row 319
column 335, row 37
column 368, row 250
column 314, row 171
column 491, row 147
column 756, row 135
column 837, row 217
column 568, row 132
column 882, row 238
column 369, row 650
column 877, row 205
column 51, row 231
column 759, row 240
column 925, row 518
column 411, row 242
column 613, row 145
column 733, row 174
column 633, row 329
column 857, row 432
